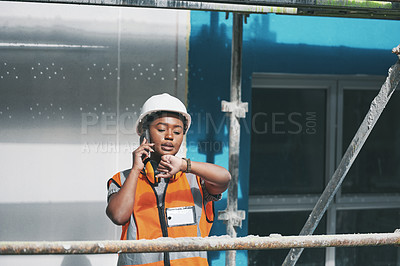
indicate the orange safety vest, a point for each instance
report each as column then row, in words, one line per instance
column 149, row 218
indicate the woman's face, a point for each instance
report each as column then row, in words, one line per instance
column 166, row 132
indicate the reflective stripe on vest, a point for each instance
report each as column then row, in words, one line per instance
column 145, row 220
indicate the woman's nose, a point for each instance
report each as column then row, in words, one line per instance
column 169, row 135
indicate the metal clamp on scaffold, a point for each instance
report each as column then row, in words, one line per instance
column 238, row 109
column 236, row 217
column 396, row 50
column 397, row 231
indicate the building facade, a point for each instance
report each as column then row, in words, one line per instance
column 72, row 81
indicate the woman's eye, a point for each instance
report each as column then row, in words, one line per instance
column 177, row 133
column 161, row 130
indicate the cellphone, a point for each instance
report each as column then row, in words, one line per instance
column 154, row 164
column 146, row 134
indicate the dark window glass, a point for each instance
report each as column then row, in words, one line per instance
column 367, row 221
column 284, row 223
column 377, row 167
column 287, row 141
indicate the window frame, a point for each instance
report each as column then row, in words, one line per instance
column 335, row 85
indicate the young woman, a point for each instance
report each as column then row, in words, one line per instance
column 163, row 195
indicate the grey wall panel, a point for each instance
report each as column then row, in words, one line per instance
column 72, row 81
column 55, row 222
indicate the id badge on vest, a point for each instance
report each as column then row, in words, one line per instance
column 181, row 216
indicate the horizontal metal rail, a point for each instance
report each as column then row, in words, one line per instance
column 274, row 241
column 383, row 9
column 240, row 7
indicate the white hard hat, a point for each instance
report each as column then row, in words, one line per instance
column 159, row 103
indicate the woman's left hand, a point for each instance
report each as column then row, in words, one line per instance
column 169, row 166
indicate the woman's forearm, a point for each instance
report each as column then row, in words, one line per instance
column 120, row 205
column 216, row 177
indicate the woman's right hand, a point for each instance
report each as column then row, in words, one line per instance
column 141, row 153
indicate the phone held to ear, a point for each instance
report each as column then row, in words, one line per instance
column 145, row 134
column 149, row 165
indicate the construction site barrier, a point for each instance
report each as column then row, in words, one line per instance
column 274, row 241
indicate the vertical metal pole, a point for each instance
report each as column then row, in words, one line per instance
column 234, row 130
column 232, row 217
column 376, row 108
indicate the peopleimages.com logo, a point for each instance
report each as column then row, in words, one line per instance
column 284, row 123
column 261, row 123
column 206, row 123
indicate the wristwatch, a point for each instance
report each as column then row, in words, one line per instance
column 189, row 165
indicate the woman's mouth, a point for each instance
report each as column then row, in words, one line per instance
column 167, row 146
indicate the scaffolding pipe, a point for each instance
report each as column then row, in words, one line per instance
column 197, row 244
column 236, row 109
column 384, row 9
column 376, row 108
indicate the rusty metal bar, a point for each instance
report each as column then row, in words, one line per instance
column 386, row 9
column 376, row 109
column 361, row 4
column 196, row 243
column 179, row 4
column 231, row 216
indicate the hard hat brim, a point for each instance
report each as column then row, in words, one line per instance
column 142, row 119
